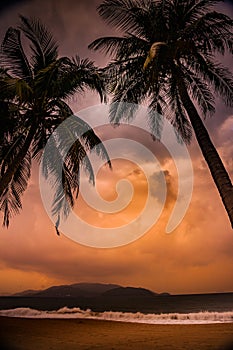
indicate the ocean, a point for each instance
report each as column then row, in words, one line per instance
column 166, row 309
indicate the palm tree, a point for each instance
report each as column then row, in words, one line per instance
column 34, row 86
column 166, row 57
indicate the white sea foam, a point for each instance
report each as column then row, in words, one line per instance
column 138, row 317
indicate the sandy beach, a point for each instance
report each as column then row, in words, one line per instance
column 49, row 334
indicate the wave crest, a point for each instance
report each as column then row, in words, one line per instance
column 138, row 317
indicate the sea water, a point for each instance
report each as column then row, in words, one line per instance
column 163, row 309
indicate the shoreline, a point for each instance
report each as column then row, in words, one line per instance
column 82, row 334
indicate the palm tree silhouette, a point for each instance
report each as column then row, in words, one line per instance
column 34, row 86
column 166, row 57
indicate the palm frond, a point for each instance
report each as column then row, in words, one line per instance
column 43, row 45
column 129, row 93
column 13, row 56
column 155, row 121
column 83, row 131
column 63, row 200
column 65, row 76
column 123, row 14
column 21, row 90
column 8, row 150
column 211, row 32
column 120, row 47
column 181, row 123
column 175, row 112
column 87, row 75
column 10, row 201
column 194, row 9
column 200, row 92
column 69, row 146
column 107, row 45
column 217, row 75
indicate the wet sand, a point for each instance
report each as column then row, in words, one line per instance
column 67, row 334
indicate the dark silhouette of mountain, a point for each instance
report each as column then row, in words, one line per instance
column 74, row 290
column 26, row 293
column 89, row 290
column 94, row 289
column 60, row 292
column 129, row 292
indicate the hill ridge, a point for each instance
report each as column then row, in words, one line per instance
column 89, row 290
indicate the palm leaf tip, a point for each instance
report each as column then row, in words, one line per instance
column 57, row 231
column 57, row 225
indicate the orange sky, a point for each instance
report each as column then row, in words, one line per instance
column 197, row 257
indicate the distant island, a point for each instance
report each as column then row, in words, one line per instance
column 89, row 290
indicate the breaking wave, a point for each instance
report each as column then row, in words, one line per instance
column 138, row 317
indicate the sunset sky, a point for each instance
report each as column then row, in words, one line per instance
column 197, row 257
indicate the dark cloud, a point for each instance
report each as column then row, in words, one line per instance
column 229, row 2
column 9, row 4
column 156, row 181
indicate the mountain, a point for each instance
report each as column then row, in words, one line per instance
column 129, row 292
column 95, row 288
column 76, row 290
column 88, row 290
column 25, row 293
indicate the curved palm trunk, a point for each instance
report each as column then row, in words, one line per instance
column 7, row 176
column 217, row 169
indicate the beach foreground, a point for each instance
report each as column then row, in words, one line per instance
column 44, row 334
